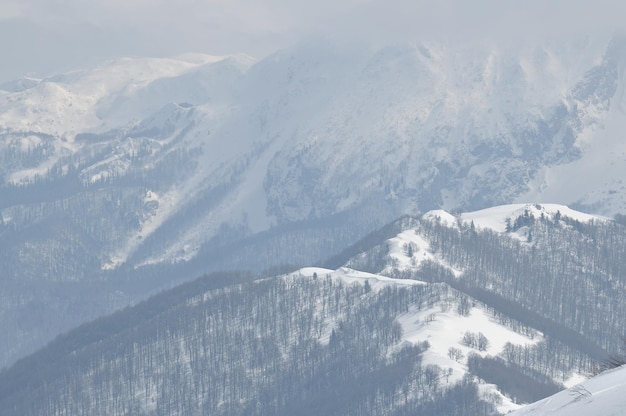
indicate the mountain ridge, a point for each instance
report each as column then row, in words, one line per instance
column 434, row 324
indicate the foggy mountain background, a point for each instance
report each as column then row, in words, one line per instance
column 46, row 37
column 143, row 144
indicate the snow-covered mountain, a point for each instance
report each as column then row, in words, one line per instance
column 117, row 174
column 321, row 129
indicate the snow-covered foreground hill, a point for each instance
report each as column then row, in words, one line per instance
column 122, row 179
column 433, row 318
column 601, row 395
column 315, row 340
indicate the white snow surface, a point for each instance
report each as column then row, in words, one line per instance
column 351, row 276
column 603, row 395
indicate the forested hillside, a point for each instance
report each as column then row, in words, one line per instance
column 475, row 320
column 545, row 268
column 302, row 344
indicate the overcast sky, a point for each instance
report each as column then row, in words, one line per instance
column 40, row 37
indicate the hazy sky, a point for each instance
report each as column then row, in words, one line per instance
column 40, row 37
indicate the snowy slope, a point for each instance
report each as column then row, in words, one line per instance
column 601, row 395
column 350, row 276
column 444, row 329
column 441, row 325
